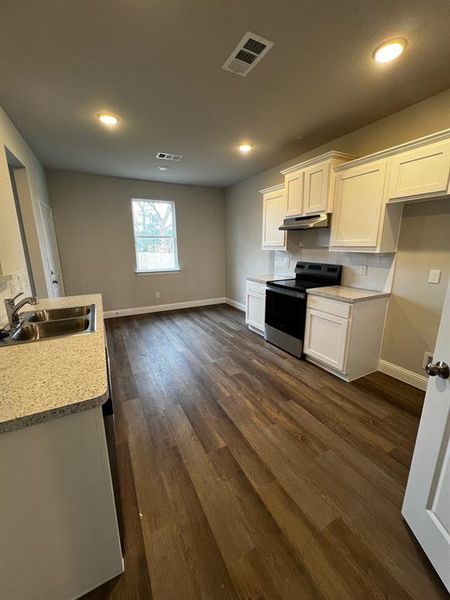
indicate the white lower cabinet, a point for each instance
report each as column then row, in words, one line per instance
column 326, row 338
column 255, row 306
column 344, row 338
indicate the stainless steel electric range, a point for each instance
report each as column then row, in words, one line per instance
column 286, row 304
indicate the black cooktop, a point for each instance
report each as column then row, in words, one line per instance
column 310, row 275
column 299, row 285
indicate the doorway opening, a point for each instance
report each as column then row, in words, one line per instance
column 20, row 189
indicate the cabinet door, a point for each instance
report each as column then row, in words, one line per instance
column 274, row 208
column 359, row 206
column 255, row 309
column 294, row 193
column 421, row 172
column 315, row 197
column 326, row 338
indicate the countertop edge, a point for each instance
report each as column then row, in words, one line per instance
column 372, row 295
column 266, row 277
column 49, row 415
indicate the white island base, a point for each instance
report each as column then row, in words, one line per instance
column 59, row 536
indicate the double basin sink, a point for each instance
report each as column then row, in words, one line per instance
column 52, row 323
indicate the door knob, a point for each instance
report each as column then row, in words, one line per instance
column 441, row 369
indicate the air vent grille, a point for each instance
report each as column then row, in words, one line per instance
column 247, row 54
column 168, row 156
column 255, row 46
column 247, row 57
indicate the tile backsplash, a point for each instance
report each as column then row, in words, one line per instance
column 18, row 282
column 368, row 271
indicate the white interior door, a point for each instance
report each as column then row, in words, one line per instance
column 426, row 506
column 51, row 256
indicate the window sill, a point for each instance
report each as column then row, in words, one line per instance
column 162, row 271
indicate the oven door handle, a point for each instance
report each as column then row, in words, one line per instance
column 299, row 295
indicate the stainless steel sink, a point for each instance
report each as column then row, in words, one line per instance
column 52, row 323
column 49, row 329
column 54, row 314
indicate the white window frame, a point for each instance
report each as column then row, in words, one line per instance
column 174, row 237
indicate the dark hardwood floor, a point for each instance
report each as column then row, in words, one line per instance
column 248, row 474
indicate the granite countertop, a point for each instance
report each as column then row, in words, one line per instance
column 264, row 278
column 346, row 294
column 55, row 377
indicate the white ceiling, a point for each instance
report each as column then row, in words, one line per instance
column 157, row 64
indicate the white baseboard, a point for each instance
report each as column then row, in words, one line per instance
column 237, row 305
column 142, row 310
column 418, row 381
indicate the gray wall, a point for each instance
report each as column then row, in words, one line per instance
column 415, row 307
column 93, row 222
column 243, row 201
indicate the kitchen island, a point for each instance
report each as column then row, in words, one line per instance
column 58, row 521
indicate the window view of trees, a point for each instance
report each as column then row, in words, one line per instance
column 154, row 235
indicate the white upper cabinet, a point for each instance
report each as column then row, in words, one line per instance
column 294, row 186
column 274, row 210
column 359, row 206
column 317, row 184
column 370, row 192
column 310, row 185
column 421, row 172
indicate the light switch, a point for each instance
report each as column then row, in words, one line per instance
column 434, row 276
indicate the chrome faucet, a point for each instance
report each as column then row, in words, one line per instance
column 12, row 308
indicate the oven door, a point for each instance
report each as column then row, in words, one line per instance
column 285, row 319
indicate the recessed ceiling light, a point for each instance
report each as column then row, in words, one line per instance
column 245, row 148
column 108, row 118
column 390, row 50
column 162, row 168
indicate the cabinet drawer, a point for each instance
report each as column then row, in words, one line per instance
column 254, row 286
column 332, row 307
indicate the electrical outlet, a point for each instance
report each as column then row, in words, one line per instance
column 157, row 294
column 427, row 358
column 434, row 276
column 363, row 270
column 282, row 260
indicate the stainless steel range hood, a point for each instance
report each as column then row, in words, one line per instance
column 308, row 222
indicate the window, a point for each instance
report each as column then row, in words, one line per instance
column 155, row 235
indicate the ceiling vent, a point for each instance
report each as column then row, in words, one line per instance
column 247, row 54
column 168, row 156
